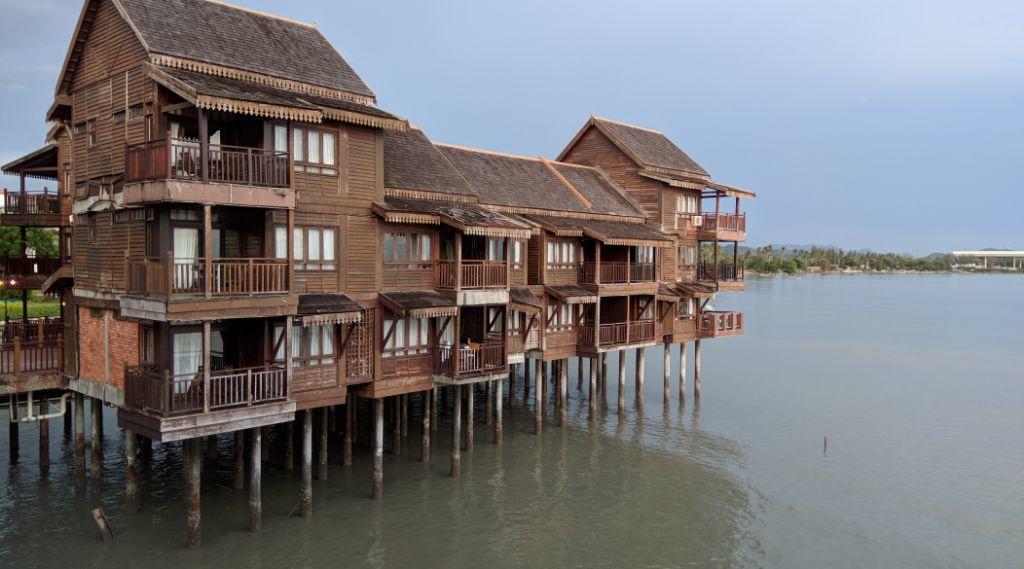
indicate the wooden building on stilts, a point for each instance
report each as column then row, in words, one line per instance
column 251, row 248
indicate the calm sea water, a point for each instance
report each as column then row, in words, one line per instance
column 917, row 381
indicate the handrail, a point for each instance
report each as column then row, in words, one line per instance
column 725, row 222
column 32, row 202
column 475, row 274
column 466, row 361
column 182, row 158
column 149, row 389
column 20, row 356
column 231, row 276
column 620, row 333
column 618, row 272
column 708, row 271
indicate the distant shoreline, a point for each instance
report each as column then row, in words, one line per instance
column 818, row 271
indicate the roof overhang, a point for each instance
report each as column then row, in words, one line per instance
column 62, row 279
column 40, row 163
column 730, row 191
column 632, row 233
column 523, row 300
column 419, row 304
column 697, row 290
column 328, row 309
column 468, row 218
column 571, row 294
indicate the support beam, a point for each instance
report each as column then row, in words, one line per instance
column 666, row 387
column 306, row 497
column 428, row 397
column 592, row 400
column 538, row 398
column 289, row 446
column 696, row 368
column 378, row 448
column 682, row 372
column 238, row 461
column 79, row 439
column 346, row 440
column 405, row 414
column 456, row 427
column 511, row 385
column 96, row 442
column 325, row 426
column 396, row 425
column 640, row 376
column 489, row 405
column 622, row 380
column 131, row 487
column 193, row 475
column 563, row 393
column 498, row 393
column 44, row 437
column 469, row 417
column 433, row 409
column 255, row 479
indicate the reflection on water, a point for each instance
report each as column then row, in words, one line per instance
column 914, row 379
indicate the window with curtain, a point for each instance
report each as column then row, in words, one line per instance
column 496, row 320
column 406, row 337
column 495, row 249
column 313, row 248
column 561, row 255
column 315, row 151
column 280, row 242
column 687, row 204
column 684, row 309
column 407, row 250
column 647, row 313
column 643, row 254
column 311, row 345
column 187, row 358
column 186, row 258
column 562, row 316
column 517, row 255
column 687, row 255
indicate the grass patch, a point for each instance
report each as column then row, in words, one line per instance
column 46, row 307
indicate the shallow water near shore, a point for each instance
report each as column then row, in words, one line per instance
column 916, row 380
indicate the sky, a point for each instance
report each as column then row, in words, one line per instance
column 886, row 125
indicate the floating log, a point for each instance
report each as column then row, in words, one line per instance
column 106, row 534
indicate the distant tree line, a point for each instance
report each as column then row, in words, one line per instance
column 782, row 260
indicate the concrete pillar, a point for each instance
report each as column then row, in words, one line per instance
column 321, row 473
column 538, row 398
column 80, row 426
column 498, row 394
column 238, row 461
column 131, row 488
column 193, row 475
column 592, row 400
column 666, row 387
column 425, row 441
column 622, row 380
column 469, row 417
column 306, row 497
column 640, row 376
column 255, row 479
column 265, row 449
column 696, row 368
column 378, row 448
column 289, row 446
column 456, row 427
column 346, row 441
column 682, row 371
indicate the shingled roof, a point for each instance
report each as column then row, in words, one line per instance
column 412, row 162
column 469, row 218
column 229, row 36
column 649, row 148
column 608, row 232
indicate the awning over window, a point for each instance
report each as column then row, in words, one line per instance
column 668, row 293
column 326, row 309
column 572, row 294
column 605, row 231
column 698, row 290
column 468, row 218
column 522, row 299
column 419, row 304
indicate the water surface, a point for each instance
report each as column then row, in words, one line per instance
column 915, row 380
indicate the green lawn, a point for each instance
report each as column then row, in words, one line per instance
column 37, row 308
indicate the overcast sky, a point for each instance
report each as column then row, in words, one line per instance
column 863, row 124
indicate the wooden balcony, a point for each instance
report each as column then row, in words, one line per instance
column 723, row 227
column 31, row 355
column 714, row 324
column 32, row 210
column 617, row 273
column 168, row 407
column 618, row 334
column 475, row 274
column 472, row 362
column 29, row 272
column 177, row 170
column 518, row 344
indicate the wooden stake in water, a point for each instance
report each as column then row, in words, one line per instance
column 378, row 448
column 255, row 479
column 456, row 435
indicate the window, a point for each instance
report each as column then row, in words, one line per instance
column 562, row 317
column 495, row 320
column 315, row 151
column 684, row 310
column 643, row 254
column 119, row 117
column 687, row 256
column 407, row 250
column 647, row 313
column 515, row 323
column 406, row 337
column 687, row 204
column 313, row 248
column 517, row 255
column 561, row 255
column 91, row 132
column 147, row 345
column 79, row 129
column 280, row 138
column 495, row 249
column 135, row 111
column 311, row 345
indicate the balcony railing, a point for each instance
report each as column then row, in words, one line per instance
column 31, row 330
column 32, row 203
column 517, row 344
column 183, row 159
column 238, row 277
column 618, row 272
column 154, row 391
column 619, row 333
column 471, row 361
column 713, row 324
column 27, row 356
column 725, row 222
column 721, row 272
column 475, row 274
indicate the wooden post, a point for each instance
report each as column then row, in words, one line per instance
column 696, row 368
column 238, row 461
column 489, row 406
column 538, row 397
column 640, row 376
column 204, row 144
column 96, row 441
column 456, row 427
column 527, row 366
column 498, row 393
column 594, row 366
column 131, row 487
column 324, row 430
column 433, row 409
column 350, row 419
column 289, row 446
column 208, row 252
column 405, row 415
column 255, row 479
column 425, row 440
column 44, row 438
column 206, row 364
column 563, row 392
column 511, row 385
column 469, row 417
column 79, row 437
column 193, row 475
column 378, row 448
column 542, row 384
column 396, row 425
column 12, row 432
column 622, row 380
column 666, row 387
column 306, row 497
column 682, row 371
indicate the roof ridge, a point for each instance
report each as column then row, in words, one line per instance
column 261, row 13
column 613, row 121
column 483, row 151
column 566, row 183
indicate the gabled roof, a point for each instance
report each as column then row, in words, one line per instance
column 413, row 163
column 648, row 148
column 196, row 33
column 40, row 163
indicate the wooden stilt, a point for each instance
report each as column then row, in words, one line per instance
column 378, row 448
column 306, row 497
column 456, row 427
column 131, row 488
column 563, row 393
column 289, row 446
column 469, row 417
column 488, row 407
column 433, row 409
column 696, row 368
column 396, row 425
column 265, row 449
column 682, row 371
column 68, row 423
column 498, row 394
column 425, row 441
column 592, row 400
column 193, row 476
column 255, row 479
column 405, row 415
column 238, row 461
column 511, row 385
column 542, row 384
column 96, row 442
column 44, row 437
column 527, row 366
column 321, row 473
column 80, row 427
column 350, row 421
column 622, row 381
column 538, row 398
column 332, row 418
column 666, row 387
column 640, row 376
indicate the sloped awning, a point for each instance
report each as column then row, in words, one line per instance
column 668, row 293
column 630, row 233
column 327, row 309
column 572, row 294
column 730, row 191
column 40, row 163
column 468, row 218
column 698, row 290
column 236, row 96
column 419, row 304
column 61, row 279
column 522, row 299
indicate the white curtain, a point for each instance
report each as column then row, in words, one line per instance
column 188, row 357
column 186, row 254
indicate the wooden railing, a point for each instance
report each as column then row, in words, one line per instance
column 31, row 330
column 619, row 333
column 23, row 267
column 151, row 390
column 468, row 361
column 476, row 274
column 720, row 323
column 19, row 356
column 32, row 203
column 183, row 159
column 231, row 277
column 722, row 272
column 725, row 222
column 618, row 272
